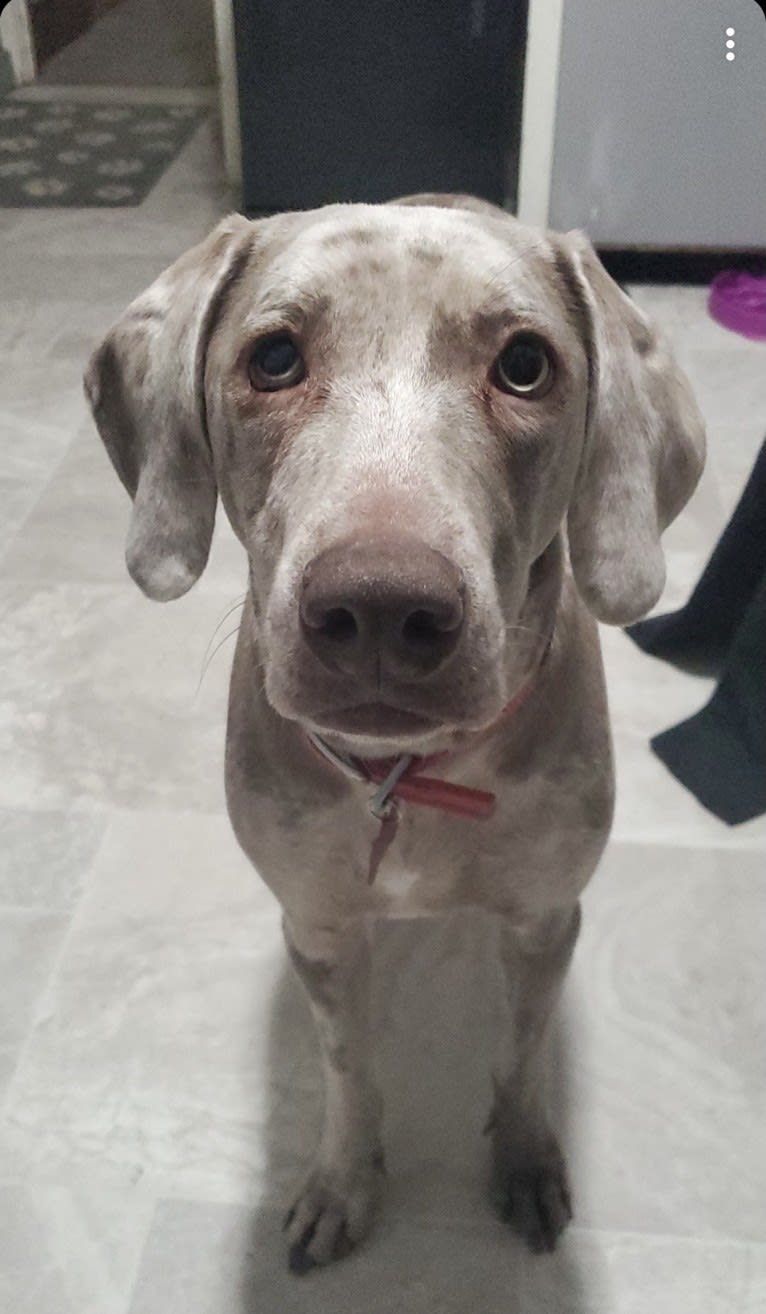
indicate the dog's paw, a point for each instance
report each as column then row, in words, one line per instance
column 533, row 1195
column 332, row 1213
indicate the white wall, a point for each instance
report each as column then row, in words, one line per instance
column 538, row 116
column 16, row 38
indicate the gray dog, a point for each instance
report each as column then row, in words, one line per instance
column 448, row 444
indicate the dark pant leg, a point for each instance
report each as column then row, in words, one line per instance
column 720, row 754
column 699, row 636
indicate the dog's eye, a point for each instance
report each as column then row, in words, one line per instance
column 276, row 362
column 524, row 367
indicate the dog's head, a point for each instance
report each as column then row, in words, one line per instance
column 400, row 407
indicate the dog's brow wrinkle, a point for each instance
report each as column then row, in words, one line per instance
column 426, row 253
column 490, row 323
column 446, row 331
column 293, row 311
column 359, row 236
column 366, row 265
column 539, row 244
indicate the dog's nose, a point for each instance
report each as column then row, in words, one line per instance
column 382, row 606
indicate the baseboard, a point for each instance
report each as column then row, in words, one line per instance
column 681, row 266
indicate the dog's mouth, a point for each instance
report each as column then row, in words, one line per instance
column 376, row 719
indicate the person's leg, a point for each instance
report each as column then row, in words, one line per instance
column 720, row 754
column 699, row 636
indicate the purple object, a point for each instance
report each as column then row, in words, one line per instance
column 738, row 301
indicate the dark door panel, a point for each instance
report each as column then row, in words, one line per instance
column 344, row 101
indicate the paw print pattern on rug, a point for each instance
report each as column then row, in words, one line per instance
column 120, row 168
column 151, row 127
column 18, row 168
column 46, row 187
column 116, row 115
column 17, row 145
column 73, row 153
column 114, row 192
column 72, row 157
column 54, row 127
column 94, row 138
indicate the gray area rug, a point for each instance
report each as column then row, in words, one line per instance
column 56, row 153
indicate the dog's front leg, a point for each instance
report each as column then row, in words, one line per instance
column 529, row 1171
column 335, row 1206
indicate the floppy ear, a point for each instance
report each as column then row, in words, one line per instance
column 644, row 447
column 145, row 384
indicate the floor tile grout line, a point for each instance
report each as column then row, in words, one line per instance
column 34, row 910
column 40, row 494
column 56, row 962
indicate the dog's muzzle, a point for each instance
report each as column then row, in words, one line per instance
column 381, row 609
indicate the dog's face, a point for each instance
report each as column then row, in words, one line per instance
column 417, row 426
column 399, row 405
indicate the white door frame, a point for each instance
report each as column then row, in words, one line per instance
column 229, row 90
column 538, row 114
column 16, row 38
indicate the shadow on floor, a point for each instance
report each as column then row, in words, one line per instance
column 437, row 1245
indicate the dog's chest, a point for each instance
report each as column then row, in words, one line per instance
column 425, row 869
column 399, row 889
column 507, row 863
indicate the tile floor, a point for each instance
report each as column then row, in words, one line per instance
column 157, row 1063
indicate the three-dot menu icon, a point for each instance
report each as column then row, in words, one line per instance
column 730, row 43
